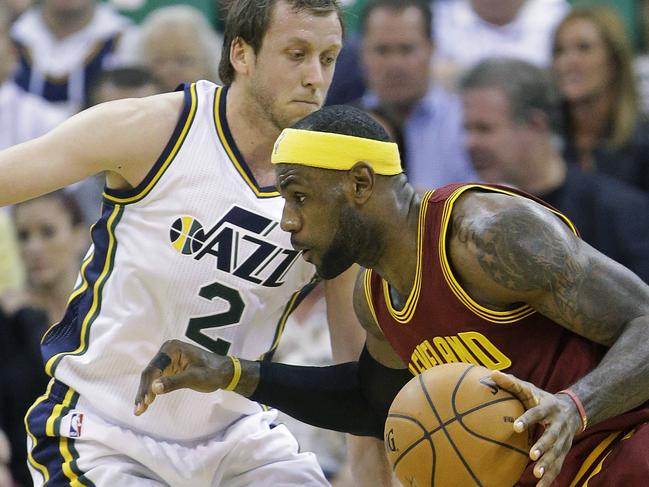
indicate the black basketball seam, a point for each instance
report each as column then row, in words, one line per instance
column 427, row 436
column 443, row 425
column 459, row 416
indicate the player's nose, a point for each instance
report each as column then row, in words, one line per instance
column 313, row 74
column 290, row 221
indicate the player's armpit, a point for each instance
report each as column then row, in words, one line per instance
column 352, row 397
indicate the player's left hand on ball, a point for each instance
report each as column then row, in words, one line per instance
column 556, row 414
column 180, row 365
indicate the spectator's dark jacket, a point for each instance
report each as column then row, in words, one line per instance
column 629, row 163
column 22, row 380
column 611, row 216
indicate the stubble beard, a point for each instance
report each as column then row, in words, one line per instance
column 264, row 101
column 344, row 248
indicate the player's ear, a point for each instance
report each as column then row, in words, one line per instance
column 362, row 178
column 241, row 56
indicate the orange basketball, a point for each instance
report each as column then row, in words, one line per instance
column 449, row 427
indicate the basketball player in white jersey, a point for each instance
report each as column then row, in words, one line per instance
column 188, row 247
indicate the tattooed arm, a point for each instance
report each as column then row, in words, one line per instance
column 508, row 251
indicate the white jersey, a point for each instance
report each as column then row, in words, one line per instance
column 195, row 252
column 61, row 69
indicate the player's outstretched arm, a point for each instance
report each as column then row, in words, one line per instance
column 333, row 397
column 353, row 397
column 123, row 137
column 520, row 252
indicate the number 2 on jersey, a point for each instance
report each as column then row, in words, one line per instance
column 229, row 317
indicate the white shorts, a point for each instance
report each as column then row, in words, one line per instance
column 71, row 445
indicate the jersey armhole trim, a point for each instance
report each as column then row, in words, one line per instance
column 367, row 289
column 168, row 154
column 498, row 317
column 230, row 147
column 404, row 315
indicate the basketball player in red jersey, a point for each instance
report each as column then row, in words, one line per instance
column 468, row 272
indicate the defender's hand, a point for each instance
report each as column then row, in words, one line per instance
column 181, row 365
column 556, row 413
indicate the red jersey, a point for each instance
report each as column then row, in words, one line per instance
column 441, row 323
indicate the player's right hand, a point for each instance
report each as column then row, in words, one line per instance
column 559, row 418
column 180, row 365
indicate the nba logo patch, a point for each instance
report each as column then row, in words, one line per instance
column 76, row 421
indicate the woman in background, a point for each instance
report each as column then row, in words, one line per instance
column 603, row 128
column 51, row 237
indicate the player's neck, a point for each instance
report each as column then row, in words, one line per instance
column 397, row 262
column 253, row 133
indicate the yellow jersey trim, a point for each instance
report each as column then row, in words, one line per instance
column 594, row 455
column 32, row 461
column 82, row 287
column 168, row 159
column 405, row 314
column 282, row 321
column 367, row 289
column 219, row 108
column 498, row 317
column 108, row 264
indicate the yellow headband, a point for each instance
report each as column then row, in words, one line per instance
column 335, row 151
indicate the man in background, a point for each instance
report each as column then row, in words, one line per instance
column 510, row 109
column 396, row 55
column 178, row 45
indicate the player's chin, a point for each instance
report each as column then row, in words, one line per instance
column 299, row 110
column 328, row 272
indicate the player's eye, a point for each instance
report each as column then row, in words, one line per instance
column 296, row 54
column 48, row 231
column 328, row 59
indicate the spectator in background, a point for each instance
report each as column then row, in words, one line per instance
column 137, row 10
column 51, row 238
column 111, row 84
column 603, row 127
column 347, row 85
column 178, row 45
column 396, row 53
column 23, row 116
column 509, row 108
column 468, row 31
column 123, row 82
column 63, row 45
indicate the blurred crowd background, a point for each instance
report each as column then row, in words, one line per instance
column 549, row 96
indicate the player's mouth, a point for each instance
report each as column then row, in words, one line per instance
column 310, row 103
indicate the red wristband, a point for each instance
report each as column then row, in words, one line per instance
column 580, row 407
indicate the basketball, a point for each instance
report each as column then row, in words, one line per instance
column 449, row 427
